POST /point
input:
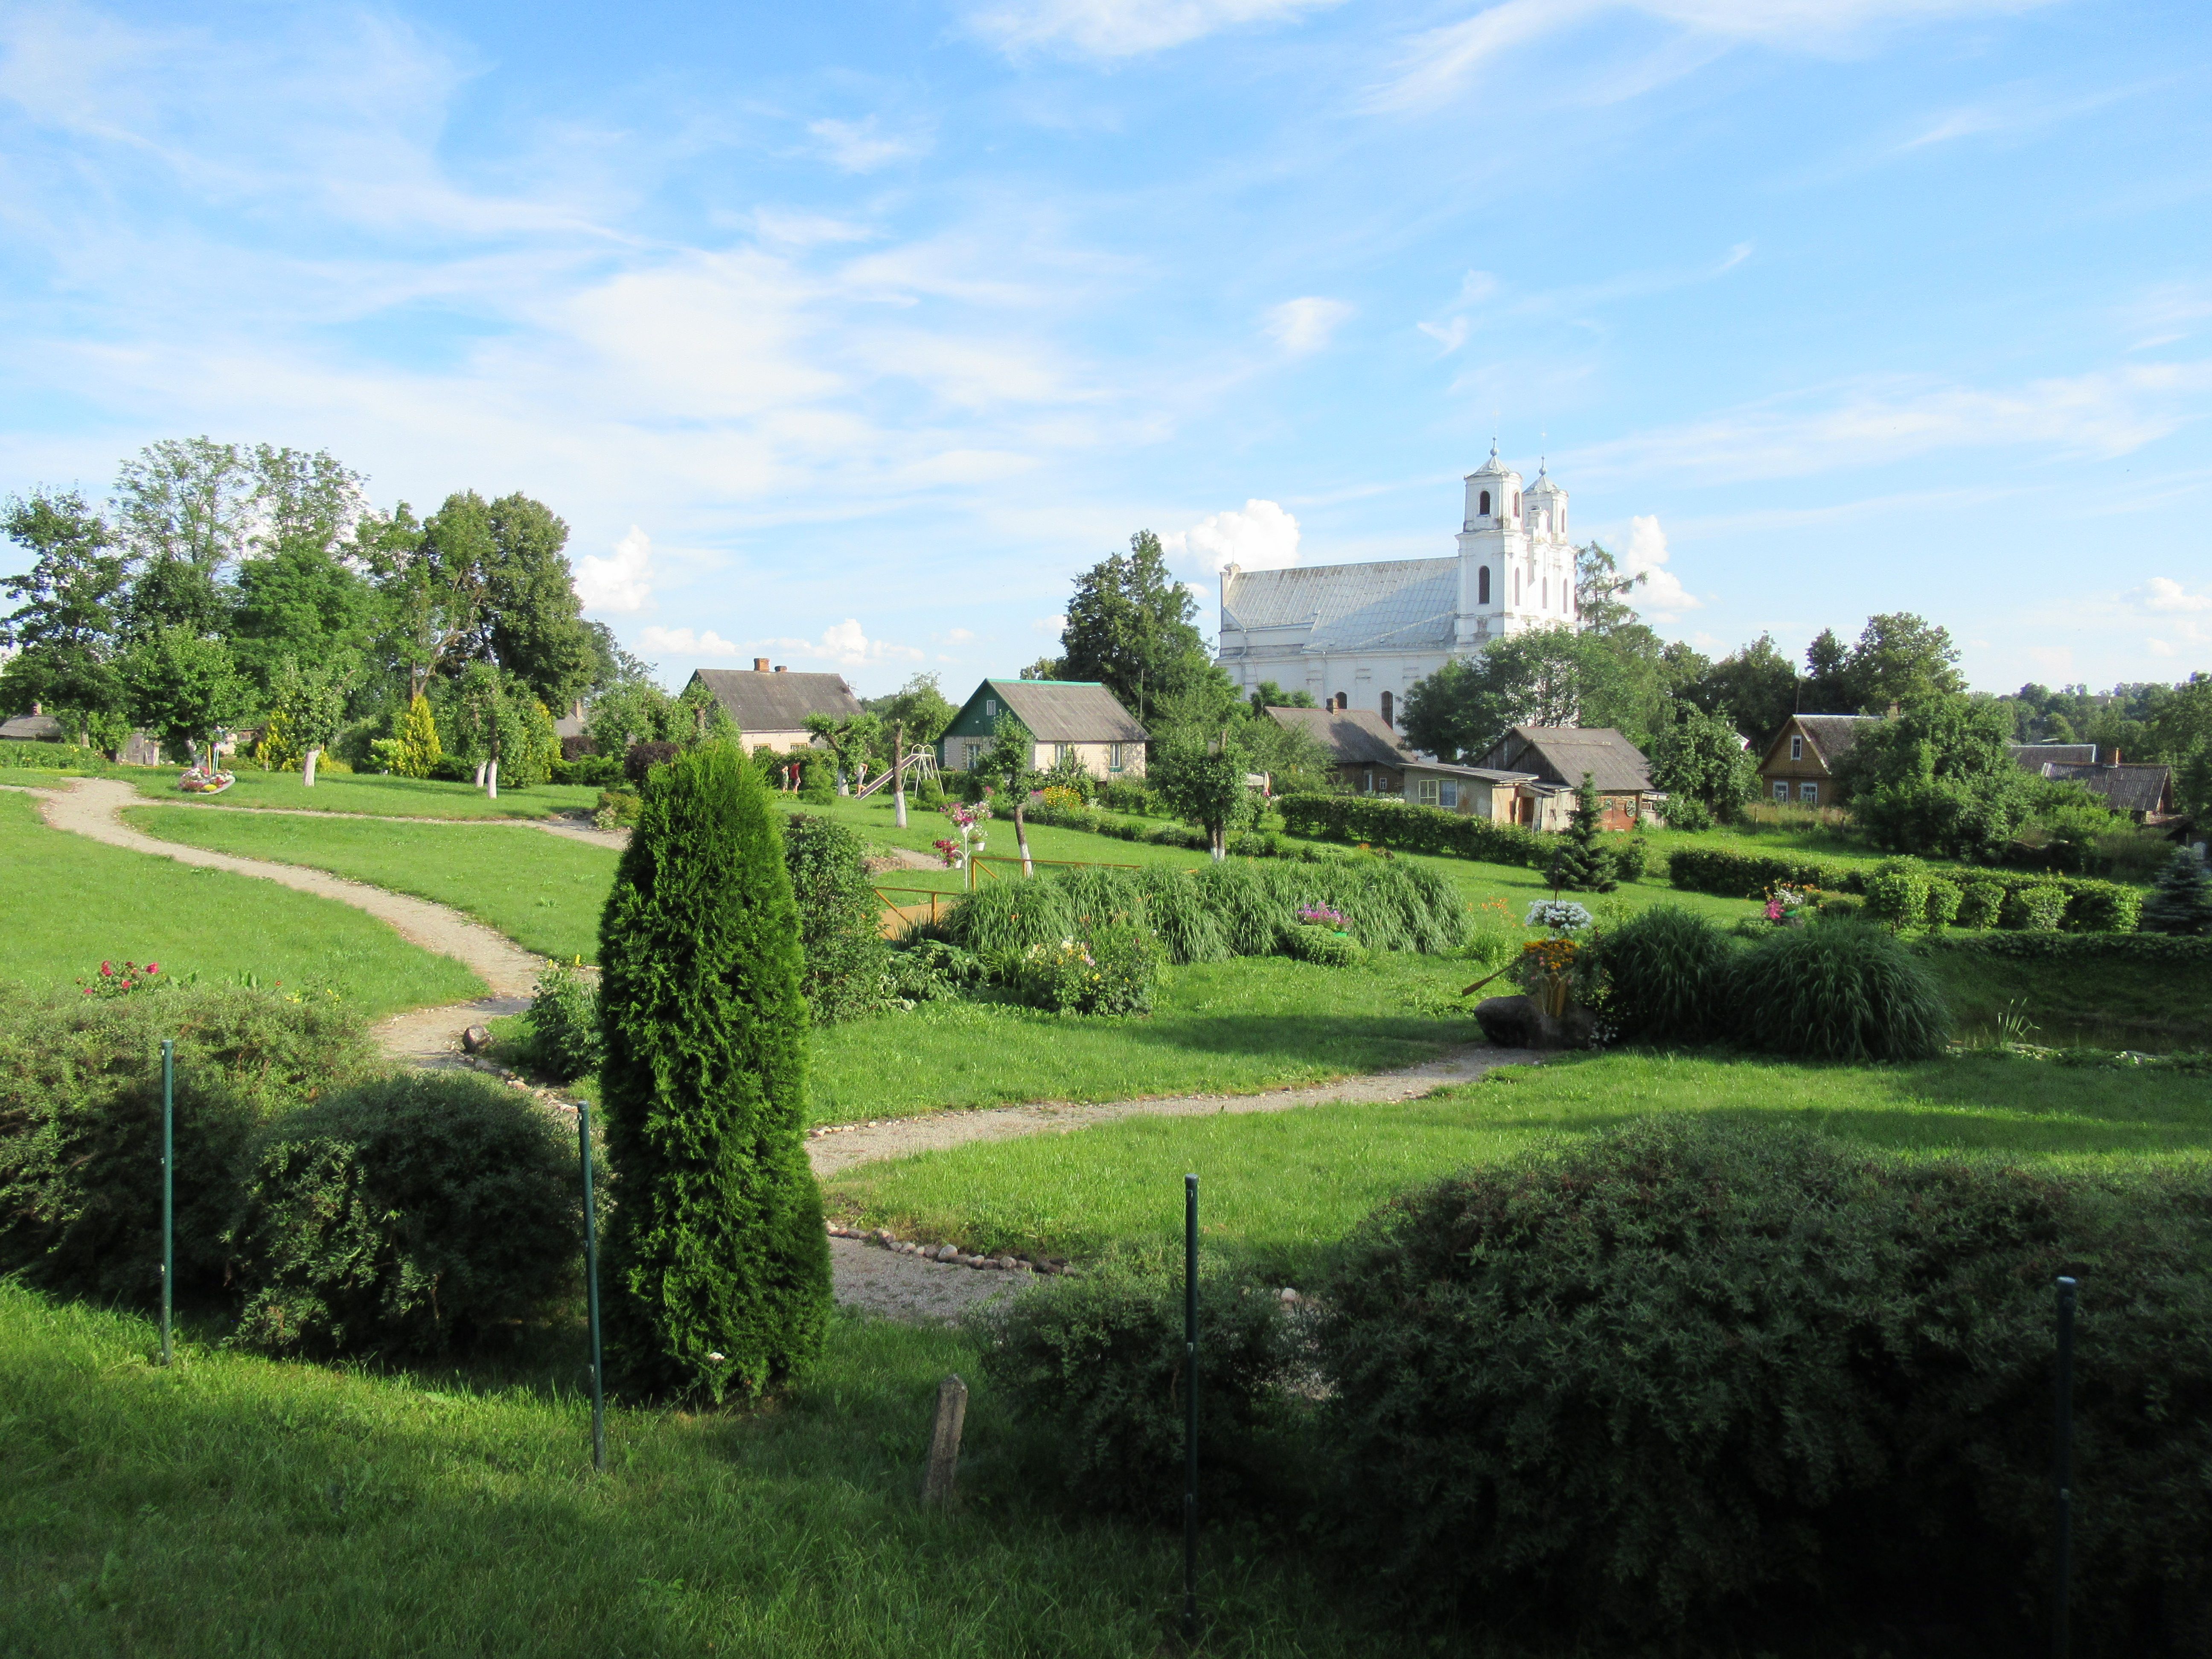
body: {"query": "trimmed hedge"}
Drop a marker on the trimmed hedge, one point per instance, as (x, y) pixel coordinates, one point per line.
(1380, 821)
(2160, 949)
(2092, 906)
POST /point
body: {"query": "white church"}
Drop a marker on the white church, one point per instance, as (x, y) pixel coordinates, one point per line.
(1357, 636)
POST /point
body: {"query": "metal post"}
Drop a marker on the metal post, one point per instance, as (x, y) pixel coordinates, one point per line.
(168, 1183)
(1190, 1410)
(592, 1292)
(2061, 1475)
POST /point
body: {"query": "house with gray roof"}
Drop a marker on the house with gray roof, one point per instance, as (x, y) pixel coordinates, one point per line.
(770, 705)
(1079, 720)
(1358, 636)
(1798, 764)
(1366, 756)
(1556, 758)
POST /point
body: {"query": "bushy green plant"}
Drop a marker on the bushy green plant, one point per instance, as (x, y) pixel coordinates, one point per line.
(2182, 902)
(1005, 918)
(1668, 971)
(1581, 862)
(1324, 946)
(719, 1260)
(1632, 853)
(1686, 813)
(2037, 907)
(617, 809)
(839, 917)
(1897, 894)
(2103, 907)
(80, 1123)
(1109, 968)
(564, 1023)
(1980, 904)
(1093, 1367)
(427, 1213)
(1694, 1369)
(928, 970)
(1944, 898)
(1839, 991)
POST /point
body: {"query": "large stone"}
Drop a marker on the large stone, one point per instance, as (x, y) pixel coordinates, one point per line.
(1518, 1022)
(477, 1039)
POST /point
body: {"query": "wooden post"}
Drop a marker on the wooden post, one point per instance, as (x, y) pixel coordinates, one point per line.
(944, 1442)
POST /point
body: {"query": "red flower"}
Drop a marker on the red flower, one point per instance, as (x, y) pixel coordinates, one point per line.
(106, 970)
(153, 967)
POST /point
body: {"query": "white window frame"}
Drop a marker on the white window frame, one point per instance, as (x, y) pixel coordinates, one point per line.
(973, 752)
(1427, 792)
(1808, 794)
(990, 708)
(1782, 789)
(1796, 748)
(1061, 751)
(1113, 757)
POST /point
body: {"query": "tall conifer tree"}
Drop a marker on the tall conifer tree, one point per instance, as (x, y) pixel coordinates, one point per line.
(719, 1262)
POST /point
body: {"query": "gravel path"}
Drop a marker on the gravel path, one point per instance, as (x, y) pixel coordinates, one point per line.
(906, 1287)
(835, 1148)
(425, 1036)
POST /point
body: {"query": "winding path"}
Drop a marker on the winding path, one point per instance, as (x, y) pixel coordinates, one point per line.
(422, 1036)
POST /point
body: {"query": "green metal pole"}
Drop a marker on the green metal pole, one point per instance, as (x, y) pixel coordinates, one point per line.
(1190, 1410)
(168, 1183)
(592, 1292)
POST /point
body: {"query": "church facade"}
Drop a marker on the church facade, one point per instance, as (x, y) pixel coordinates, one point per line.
(1358, 635)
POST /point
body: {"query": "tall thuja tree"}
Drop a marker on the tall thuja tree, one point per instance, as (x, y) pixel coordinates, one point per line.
(720, 1263)
(1581, 862)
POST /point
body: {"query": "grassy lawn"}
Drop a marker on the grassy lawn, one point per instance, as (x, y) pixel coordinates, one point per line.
(233, 1506)
(70, 903)
(373, 793)
(2105, 1005)
(1280, 1187)
(545, 892)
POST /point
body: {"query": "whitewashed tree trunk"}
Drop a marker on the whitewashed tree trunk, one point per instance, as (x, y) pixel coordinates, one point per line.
(307, 775)
(1022, 836)
(898, 774)
(480, 773)
(491, 777)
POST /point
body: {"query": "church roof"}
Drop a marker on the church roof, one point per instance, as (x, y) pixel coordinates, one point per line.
(1400, 603)
(1544, 486)
(1492, 468)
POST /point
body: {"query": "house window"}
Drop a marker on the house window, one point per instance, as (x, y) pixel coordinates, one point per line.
(1516, 503)
(1796, 748)
(1781, 789)
(1427, 792)
(1388, 704)
(1371, 783)
(1113, 757)
(974, 751)
(1343, 700)
(1061, 751)
(1810, 793)
(1484, 509)
(991, 708)
(1448, 793)
(1482, 586)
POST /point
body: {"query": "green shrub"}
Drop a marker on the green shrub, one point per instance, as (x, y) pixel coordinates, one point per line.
(564, 1024)
(1632, 853)
(81, 1124)
(1691, 1371)
(1686, 813)
(840, 917)
(1668, 970)
(1109, 968)
(1093, 1367)
(2182, 902)
(1944, 898)
(1005, 918)
(1380, 820)
(640, 758)
(2103, 907)
(1732, 874)
(427, 1213)
(1839, 991)
(719, 1264)
(617, 809)
(1897, 894)
(2084, 948)
(1324, 946)
(1980, 904)
(928, 970)
(2037, 907)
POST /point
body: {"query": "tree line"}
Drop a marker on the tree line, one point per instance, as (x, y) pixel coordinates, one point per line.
(221, 584)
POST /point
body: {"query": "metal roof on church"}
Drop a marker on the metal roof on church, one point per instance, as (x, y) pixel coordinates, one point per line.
(1401, 603)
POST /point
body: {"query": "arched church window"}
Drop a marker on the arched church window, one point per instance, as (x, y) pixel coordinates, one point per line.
(1516, 588)
(1547, 592)
(1516, 503)
(1482, 583)
(1388, 703)
(1484, 509)
(1343, 700)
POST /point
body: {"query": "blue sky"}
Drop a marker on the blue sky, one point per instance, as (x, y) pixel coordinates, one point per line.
(846, 336)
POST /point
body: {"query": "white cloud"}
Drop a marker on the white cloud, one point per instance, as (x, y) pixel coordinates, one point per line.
(1304, 324)
(1052, 625)
(2159, 648)
(1261, 537)
(622, 584)
(2164, 593)
(959, 636)
(862, 147)
(1121, 28)
(1438, 62)
(683, 642)
(1451, 336)
(1660, 592)
(847, 644)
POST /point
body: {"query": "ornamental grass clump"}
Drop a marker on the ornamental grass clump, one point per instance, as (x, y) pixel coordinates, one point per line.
(1838, 990)
(718, 1264)
(1668, 968)
(1729, 1377)
(431, 1213)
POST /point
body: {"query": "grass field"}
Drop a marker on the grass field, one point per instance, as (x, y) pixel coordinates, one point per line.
(237, 1508)
(373, 793)
(544, 892)
(2105, 1005)
(69, 904)
(1279, 1187)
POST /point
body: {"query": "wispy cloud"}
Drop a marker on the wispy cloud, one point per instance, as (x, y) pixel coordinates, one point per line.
(684, 642)
(1304, 325)
(863, 146)
(1122, 28)
(845, 643)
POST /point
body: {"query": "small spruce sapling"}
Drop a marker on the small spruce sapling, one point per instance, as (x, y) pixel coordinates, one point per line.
(1581, 863)
(2181, 903)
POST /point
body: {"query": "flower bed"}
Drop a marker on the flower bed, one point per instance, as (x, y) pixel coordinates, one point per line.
(199, 780)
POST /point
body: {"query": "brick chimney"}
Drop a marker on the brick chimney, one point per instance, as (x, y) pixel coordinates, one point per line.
(779, 668)
(760, 665)
(2116, 757)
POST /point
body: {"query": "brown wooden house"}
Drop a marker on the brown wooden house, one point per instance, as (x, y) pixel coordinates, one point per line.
(1798, 766)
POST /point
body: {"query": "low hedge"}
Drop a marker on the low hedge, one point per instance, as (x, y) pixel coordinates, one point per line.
(1382, 821)
(2092, 906)
(2155, 949)
(1733, 1377)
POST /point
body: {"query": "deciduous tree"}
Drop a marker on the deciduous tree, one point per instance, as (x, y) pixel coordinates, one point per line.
(68, 614)
(185, 689)
(1130, 627)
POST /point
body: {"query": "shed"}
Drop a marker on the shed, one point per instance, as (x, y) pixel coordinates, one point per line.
(1077, 719)
(1564, 755)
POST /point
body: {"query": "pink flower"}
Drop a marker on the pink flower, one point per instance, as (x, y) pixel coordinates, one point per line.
(107, 970)
(153, 968)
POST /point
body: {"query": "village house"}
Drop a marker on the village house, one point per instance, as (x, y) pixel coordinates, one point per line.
(770, 705)
(1540, 765)
(1364, 754)
(1077, 719)
(1482, 792)
(2144, 792)
(1798, 766)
